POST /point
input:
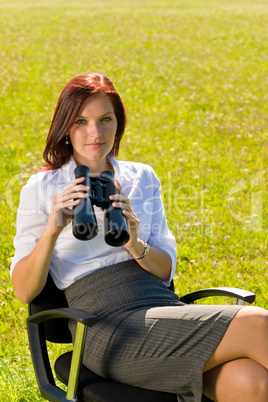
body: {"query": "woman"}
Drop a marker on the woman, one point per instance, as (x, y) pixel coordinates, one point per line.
(145, 335)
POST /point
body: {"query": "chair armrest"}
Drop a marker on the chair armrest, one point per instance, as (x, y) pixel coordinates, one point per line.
(39, 352)
(239, 294)
(71, 313)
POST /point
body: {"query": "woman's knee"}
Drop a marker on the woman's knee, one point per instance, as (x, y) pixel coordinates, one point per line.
(252, 315)
(252, 325)
(241, 380)
(256, 383)
(253, 319)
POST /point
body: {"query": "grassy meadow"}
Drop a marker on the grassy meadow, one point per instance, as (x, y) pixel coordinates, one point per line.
(194, 77)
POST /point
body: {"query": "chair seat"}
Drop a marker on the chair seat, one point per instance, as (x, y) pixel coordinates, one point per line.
(94, 388)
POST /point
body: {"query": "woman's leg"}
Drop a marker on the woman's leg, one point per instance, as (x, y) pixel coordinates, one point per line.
(241, 380)
(242, 352)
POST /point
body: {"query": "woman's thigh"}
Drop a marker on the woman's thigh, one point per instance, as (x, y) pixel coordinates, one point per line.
(246, 337)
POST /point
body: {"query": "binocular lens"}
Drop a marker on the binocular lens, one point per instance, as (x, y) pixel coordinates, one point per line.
(116, 238)
(116, 232)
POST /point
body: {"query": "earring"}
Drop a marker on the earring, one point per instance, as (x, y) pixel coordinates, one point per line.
(67, 142)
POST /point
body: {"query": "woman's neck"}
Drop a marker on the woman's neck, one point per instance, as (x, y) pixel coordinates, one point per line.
(96, 167)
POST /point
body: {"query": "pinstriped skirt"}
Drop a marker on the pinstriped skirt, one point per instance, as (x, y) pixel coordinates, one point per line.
(146, 336)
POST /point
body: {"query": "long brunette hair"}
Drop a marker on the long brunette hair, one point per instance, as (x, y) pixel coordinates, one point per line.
(76, 91)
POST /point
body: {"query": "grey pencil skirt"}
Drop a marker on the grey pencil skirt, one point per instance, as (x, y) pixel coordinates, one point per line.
(146, 336)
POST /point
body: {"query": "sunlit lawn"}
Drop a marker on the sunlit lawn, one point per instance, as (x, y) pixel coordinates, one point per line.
(193, 75)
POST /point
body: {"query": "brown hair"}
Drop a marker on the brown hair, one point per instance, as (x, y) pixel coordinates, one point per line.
(76, 91)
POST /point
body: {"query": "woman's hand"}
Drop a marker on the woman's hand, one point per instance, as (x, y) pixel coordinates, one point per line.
(122, 201)
(61, 209)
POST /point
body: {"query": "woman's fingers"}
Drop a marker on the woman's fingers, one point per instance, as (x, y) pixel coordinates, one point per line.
(120, 196)
(74, 191)
(121, 200)
(71, 195)
(74, 182)
(74, 195)
(126, 208)
(63, 203)
(66, 204)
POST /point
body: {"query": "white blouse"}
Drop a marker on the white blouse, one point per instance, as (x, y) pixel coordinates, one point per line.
(73, 258)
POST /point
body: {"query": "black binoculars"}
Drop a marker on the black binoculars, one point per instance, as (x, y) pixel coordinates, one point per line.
(84, 220)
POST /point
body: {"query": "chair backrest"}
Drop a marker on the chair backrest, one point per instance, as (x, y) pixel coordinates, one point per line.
(56, 330)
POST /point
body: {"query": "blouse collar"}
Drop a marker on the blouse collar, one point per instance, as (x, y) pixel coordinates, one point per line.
(70, 166)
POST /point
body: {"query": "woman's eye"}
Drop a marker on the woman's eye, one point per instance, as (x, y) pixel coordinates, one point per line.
(81, 121)
(105, 119)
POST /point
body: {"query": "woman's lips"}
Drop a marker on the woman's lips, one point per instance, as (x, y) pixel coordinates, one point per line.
(95, 145)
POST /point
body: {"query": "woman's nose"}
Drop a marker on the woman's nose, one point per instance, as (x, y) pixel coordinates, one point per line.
(94, 129)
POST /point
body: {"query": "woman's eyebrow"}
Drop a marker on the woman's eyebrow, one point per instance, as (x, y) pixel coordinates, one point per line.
(104, 114)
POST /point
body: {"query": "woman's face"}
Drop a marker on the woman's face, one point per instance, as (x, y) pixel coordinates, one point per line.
(93, 133)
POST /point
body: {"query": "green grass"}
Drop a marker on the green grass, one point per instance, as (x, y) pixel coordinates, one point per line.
(193, 74)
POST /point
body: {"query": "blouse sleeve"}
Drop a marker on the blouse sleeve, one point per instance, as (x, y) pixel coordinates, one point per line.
(160, 235)
(31, 220)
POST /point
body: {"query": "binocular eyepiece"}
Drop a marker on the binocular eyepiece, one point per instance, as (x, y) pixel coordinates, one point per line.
(84, 220)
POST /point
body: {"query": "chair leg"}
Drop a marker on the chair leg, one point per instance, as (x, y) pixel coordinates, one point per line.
(79, 342)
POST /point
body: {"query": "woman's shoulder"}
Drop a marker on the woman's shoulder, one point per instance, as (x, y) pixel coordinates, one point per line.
(136, 167)
(43, 176)
(137, 172)
(42, 180)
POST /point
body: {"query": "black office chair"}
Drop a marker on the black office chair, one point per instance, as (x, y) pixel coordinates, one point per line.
(48, 321)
